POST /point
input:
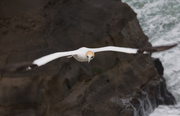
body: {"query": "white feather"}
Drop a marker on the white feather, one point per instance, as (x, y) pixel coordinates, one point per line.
(115, 49)
(45, 59)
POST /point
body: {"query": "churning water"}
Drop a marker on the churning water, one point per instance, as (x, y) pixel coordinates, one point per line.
(160, 20)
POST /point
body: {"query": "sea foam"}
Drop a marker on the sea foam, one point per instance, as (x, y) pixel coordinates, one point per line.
(160, 20)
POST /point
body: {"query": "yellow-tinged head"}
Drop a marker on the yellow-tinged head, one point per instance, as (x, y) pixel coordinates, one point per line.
(90, 55)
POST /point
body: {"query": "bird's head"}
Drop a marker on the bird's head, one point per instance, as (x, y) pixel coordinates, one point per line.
(90, 55)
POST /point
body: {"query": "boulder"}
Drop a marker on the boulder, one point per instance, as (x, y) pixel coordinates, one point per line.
(112, 84)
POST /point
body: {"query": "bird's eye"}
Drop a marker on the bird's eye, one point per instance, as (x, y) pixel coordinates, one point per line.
(87, 56)
(92, 57)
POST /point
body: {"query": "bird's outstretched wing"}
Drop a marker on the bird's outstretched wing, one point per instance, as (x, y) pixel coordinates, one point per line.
(134, 50)
(38, 62)
(115, 49)
(45, 59)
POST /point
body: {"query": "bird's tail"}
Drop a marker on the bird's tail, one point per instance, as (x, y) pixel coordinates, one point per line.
(146, 50)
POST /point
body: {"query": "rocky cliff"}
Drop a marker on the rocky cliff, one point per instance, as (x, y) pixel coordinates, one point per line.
(112, 84)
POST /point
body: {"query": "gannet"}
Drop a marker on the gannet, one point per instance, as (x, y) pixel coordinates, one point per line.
(82, 54)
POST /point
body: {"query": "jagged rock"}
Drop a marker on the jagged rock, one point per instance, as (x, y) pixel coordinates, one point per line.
(159, 66)
(112, 84)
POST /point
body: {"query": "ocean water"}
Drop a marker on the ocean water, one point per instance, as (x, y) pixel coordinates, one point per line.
(160, 20)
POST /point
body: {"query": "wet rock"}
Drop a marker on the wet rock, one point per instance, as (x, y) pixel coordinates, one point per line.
(159, 66)
(112, 84)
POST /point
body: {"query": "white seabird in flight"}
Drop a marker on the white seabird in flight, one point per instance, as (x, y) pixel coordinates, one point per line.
(82, 54)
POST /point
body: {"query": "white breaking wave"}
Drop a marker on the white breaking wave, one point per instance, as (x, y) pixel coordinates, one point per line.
(160, 20)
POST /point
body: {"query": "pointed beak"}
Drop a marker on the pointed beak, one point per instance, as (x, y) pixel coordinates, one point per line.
(89, 59)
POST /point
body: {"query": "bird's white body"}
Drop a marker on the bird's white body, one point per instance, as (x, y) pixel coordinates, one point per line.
(81, 54)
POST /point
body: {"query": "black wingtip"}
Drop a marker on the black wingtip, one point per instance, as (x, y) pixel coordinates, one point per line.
(156, 48)
(18, 67)
(166, 47)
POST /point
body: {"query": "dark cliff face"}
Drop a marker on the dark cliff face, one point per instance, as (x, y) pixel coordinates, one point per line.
(112, 84)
